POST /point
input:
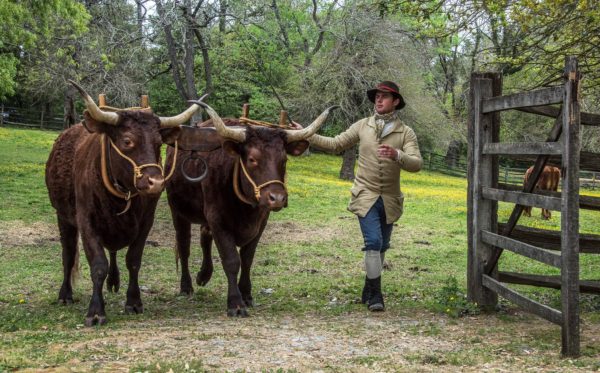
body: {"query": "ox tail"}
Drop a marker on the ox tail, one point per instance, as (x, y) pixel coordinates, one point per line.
(176, 250)
(75, 272)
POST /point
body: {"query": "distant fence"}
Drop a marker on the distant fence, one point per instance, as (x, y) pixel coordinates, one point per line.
(32, 118)
(507, 174)
(431, 161)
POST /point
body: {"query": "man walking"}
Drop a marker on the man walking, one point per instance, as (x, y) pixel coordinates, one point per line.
(386, 146)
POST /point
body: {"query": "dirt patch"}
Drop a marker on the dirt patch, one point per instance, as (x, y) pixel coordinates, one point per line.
(356, 342)
(17, 233)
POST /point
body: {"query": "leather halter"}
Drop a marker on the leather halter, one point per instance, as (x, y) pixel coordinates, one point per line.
(137, 172)
(236, 187)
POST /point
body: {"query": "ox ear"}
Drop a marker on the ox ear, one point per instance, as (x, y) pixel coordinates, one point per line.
(296, 147)
(170, 134)
(231, 147)
(92, 125)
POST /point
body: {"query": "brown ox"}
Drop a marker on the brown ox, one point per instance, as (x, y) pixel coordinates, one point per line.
(245, 182)
(548, 180)
(109, 200)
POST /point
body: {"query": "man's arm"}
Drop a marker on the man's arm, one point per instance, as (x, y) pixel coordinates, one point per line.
(409, 156)
(335, 144)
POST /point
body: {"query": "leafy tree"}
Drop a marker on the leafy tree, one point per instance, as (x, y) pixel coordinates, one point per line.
(24, 23)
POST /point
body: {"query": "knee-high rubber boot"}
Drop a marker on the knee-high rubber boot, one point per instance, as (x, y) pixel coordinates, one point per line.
(366, 292)
(373, 269)
(376, 299)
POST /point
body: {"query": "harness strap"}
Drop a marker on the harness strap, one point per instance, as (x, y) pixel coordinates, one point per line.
(256, 188)
(236, 187)
(137, 171)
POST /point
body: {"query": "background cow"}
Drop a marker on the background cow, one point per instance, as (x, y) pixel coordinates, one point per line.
(245, 182)
(548, 180)
(104, 179)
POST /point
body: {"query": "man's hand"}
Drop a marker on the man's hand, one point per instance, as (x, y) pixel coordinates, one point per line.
(295, 125)
(386, 151)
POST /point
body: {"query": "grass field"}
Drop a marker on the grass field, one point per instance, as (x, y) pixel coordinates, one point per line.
(307, 277)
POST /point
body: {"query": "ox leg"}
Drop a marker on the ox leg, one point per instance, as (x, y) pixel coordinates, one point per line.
(98, 272)
(245, 285)
(113, 281)
(134, 262)
(231, 265)
(247, 257)
(183, 231)
(527, 211)
(68, 240)
(206, 270)
(546, 214)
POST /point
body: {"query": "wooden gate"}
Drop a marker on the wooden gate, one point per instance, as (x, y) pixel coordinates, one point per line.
(487, 239)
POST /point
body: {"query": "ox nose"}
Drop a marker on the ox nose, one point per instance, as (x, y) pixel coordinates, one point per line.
(277, 201)
(151, 185)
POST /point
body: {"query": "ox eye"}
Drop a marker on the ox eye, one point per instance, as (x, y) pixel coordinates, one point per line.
(127, 142)
(252, 161)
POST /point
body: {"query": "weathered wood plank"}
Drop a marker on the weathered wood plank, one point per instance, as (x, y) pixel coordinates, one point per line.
(588, 161)
(518, 148)
(484, 212)
(551, 240)
(526, 199)
(585, 202)
(554, 282)
(540, 163)
(570, 210)
(521, 248)
(529, 305)
(544, 96)
(589, 119)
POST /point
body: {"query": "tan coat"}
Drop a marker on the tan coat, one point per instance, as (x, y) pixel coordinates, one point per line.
(376, 177)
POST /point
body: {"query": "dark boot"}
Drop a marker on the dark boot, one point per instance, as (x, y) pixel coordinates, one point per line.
(366, 292)
(376, 298)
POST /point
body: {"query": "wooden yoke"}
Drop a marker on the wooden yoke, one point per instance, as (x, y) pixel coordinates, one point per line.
(283, 118)
(244, 118)
(144, 104)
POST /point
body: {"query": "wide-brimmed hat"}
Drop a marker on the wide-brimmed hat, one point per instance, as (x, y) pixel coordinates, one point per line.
(390, 87)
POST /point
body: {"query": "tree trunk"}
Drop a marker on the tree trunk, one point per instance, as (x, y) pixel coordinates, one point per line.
(70, 116)
(172, 51)
(222, 16)
(349, 160)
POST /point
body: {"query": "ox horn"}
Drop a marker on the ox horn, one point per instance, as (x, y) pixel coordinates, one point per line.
(183, 117)
(235, 134)
(297, 135)
(94, 110)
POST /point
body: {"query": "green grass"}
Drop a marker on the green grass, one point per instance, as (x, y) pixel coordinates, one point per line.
(313, 269)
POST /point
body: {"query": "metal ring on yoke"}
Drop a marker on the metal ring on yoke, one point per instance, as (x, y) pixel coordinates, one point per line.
(194, 179)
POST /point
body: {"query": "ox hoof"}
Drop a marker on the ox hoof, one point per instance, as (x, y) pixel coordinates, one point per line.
(203, 277)
(112, 287)
(249, 302)
(95, 320)
(186, 290)
(238, 312)
(65, 301)
(135, 309)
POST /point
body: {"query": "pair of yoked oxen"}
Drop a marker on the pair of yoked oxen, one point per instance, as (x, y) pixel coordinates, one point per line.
(104, 179)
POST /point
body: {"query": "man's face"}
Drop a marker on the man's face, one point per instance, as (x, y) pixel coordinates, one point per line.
(385, 102)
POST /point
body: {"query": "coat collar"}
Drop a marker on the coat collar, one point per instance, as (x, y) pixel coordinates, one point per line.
(398, 125)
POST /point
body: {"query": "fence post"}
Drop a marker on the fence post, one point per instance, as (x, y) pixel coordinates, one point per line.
(2, 114)
(482, 172)
(429, 161)
(569, 219)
